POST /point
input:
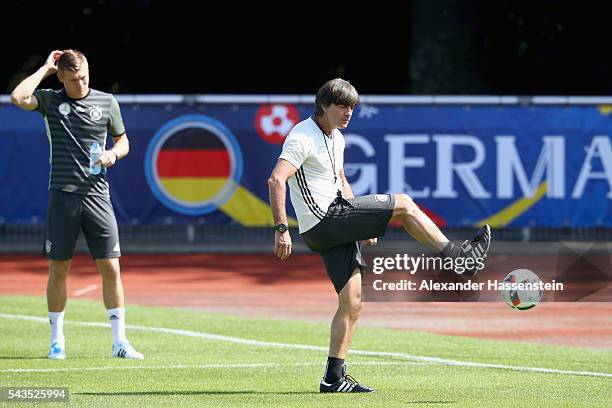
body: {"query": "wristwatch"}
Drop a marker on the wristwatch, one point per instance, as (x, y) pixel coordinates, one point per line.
(281, 228)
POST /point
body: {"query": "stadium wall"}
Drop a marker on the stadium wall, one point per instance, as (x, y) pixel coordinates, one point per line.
(200, 162)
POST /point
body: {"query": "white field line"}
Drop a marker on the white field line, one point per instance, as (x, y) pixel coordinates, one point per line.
(294, 346)
(84, 290)
(197, 366)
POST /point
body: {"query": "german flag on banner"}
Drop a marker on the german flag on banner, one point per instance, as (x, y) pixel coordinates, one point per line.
(193, 165)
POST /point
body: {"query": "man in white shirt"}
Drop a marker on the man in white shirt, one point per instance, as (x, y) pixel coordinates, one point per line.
(332, 221)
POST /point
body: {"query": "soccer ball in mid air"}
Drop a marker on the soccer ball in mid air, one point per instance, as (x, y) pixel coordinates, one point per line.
(520, 289)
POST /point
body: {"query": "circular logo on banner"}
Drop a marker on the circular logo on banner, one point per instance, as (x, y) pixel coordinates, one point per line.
(274, 122)
(193, 164)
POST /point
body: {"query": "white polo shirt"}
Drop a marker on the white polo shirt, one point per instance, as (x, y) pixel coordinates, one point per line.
(312, 187)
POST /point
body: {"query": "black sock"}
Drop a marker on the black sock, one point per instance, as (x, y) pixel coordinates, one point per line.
(451, 250)
(333, 372)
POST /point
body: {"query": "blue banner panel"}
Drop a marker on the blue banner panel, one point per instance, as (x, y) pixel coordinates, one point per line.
(464, 165)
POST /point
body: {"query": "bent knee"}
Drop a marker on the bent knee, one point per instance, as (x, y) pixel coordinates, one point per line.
(352, 307)
(405, 205)
(355, 309)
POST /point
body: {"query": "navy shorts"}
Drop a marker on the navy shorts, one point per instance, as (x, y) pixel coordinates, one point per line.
(68, 214)
(347, 221)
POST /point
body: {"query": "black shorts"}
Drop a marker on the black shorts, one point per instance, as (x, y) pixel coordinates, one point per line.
(347, 221)
(68, 213)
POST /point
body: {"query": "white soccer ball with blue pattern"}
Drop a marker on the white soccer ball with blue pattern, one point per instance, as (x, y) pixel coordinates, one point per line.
(521, 299)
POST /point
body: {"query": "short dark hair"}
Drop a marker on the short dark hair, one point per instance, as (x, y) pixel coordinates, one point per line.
(336, 91)
(71, 60)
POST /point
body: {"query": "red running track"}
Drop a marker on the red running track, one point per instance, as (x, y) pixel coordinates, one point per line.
(261, 285)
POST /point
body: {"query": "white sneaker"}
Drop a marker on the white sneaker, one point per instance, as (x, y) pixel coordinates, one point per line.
(125, 350)
(57, 351)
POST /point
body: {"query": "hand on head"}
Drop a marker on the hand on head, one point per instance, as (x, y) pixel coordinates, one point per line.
(51, 62)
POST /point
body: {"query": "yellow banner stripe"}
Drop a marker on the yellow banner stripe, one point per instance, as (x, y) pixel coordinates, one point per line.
(244, 206)
(193, 190)
(604, 109)
(250, 211)
(508, 214)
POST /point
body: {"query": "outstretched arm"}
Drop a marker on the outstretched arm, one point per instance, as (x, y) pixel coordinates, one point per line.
(23, 94)
(277, 188)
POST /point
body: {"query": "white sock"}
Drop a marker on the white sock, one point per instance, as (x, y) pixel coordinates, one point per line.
(56, 320)
(117, 319)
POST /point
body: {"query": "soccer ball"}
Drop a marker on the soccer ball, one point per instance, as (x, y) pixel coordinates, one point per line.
(521, 299)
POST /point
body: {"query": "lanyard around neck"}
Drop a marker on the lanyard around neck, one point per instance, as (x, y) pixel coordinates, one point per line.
(332, 161)
(332, 155)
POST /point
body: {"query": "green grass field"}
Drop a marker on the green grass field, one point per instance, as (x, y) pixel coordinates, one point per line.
(190, 368)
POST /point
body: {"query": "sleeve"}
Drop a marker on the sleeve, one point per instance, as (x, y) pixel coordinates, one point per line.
(43, 96)
(115, 122)
(296, 149)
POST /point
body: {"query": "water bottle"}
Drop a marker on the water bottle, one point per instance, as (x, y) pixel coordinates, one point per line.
(95, 151)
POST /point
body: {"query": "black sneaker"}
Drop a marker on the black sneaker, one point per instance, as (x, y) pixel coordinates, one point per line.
(478, 247)
(346, 384)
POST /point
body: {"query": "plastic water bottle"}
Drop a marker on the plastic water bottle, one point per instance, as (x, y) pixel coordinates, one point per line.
(95, 151)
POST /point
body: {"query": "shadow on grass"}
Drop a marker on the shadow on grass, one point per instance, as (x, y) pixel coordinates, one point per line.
(140, 393)
(23, 358)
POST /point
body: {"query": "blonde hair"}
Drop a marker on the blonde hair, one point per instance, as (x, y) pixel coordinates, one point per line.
(71, 60)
